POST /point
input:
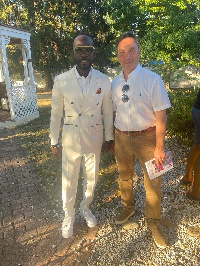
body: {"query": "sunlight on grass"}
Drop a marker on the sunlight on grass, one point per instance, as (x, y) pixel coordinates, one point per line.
(44, 99)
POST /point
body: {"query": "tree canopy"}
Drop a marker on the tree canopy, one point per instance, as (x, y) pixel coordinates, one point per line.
(169, 30)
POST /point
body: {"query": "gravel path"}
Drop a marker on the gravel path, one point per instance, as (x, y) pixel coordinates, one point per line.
(30, 227)
(132, 244)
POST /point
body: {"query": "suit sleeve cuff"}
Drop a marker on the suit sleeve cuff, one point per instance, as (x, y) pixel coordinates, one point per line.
(54, 141)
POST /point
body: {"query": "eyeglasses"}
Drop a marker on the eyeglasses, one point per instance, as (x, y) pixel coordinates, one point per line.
(125, 97)
(84, 49)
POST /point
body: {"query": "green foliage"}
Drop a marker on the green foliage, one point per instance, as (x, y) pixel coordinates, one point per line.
(15, 63)
(169, 30)
(125, 16)
(179, 120)
(173, 34)
(53, 26)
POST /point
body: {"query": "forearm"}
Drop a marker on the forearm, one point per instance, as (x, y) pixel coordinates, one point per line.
(161, 132)
(161, 120)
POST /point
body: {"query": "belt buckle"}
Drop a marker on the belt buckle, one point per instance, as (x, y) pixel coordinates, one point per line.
(129, 133)
(138, 133)
(134, 133)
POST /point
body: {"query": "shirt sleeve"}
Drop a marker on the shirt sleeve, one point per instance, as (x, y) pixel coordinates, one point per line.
(159, 96)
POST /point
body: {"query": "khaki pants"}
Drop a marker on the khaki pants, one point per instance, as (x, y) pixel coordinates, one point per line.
(126, 148)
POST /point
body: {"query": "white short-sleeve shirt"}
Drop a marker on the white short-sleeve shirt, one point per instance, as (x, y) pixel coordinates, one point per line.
(147, 94)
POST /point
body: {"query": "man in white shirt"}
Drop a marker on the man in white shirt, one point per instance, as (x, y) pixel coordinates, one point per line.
(84, 94)
(140, 102)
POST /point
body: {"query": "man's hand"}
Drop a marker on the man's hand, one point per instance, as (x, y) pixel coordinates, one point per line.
(159, 153)
(57, 151)
(160, 156)
(106, 146)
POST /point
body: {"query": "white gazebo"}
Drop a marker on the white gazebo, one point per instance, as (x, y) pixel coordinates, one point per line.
(22, 98)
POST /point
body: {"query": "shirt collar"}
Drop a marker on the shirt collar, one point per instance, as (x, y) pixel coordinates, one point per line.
(80, 77)
(133, 74)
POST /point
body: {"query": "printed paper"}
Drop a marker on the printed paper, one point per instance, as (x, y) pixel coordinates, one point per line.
(155, 171)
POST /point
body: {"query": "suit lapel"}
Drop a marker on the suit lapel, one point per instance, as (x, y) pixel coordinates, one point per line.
(73, 84)
(94, 85)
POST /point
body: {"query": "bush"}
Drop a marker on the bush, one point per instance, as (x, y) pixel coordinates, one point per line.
(179, 119)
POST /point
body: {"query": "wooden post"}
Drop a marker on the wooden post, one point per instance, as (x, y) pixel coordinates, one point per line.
(4, 41)
(25, 62)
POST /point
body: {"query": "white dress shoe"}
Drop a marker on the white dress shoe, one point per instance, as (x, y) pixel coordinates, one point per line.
(89, 217)
(67, 226)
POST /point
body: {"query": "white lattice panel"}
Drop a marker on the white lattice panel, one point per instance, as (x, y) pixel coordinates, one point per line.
(23, 101)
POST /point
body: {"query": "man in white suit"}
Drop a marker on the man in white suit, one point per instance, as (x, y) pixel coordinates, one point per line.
(84, 94)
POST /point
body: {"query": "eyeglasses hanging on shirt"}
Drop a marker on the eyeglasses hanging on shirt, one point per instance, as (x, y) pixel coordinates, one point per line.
(125, 97)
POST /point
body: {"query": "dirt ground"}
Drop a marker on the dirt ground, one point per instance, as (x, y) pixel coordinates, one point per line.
(30, 231)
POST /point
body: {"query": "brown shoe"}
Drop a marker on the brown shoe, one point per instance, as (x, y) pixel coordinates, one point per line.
(191, 196)
(125, 214)
(158, 237)
(185, 182)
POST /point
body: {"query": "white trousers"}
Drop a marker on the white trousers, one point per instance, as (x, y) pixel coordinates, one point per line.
(71, 164)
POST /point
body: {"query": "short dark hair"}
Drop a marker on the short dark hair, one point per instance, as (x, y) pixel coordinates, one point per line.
(126, 35)
(83, 33)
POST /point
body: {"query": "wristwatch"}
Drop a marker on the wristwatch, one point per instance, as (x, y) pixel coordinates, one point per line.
(55, 146)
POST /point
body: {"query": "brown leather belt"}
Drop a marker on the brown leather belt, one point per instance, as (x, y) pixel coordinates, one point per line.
(136, 133)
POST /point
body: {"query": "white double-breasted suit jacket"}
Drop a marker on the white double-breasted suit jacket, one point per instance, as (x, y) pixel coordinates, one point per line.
(83, 126)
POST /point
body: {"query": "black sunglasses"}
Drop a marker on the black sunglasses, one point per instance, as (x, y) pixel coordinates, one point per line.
(84, 49)
(125, 88)
(125, 97)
